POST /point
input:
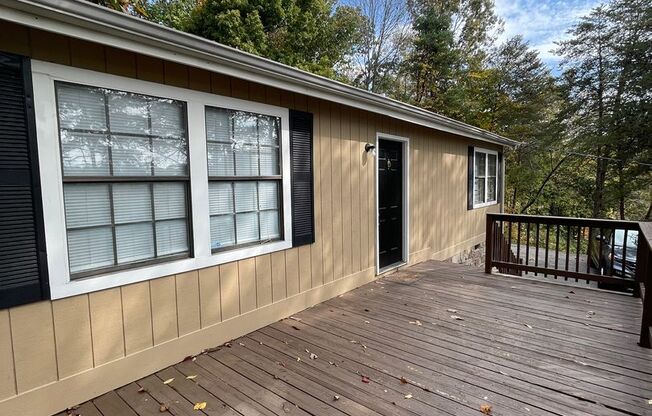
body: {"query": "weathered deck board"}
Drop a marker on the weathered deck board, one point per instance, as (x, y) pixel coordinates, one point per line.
(523, 347)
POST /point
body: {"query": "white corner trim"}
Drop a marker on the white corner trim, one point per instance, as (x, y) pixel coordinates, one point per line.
(44, 75)
(406, 200)
(487, 152)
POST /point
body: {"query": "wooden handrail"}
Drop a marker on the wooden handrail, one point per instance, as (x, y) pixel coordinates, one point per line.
(574, 240)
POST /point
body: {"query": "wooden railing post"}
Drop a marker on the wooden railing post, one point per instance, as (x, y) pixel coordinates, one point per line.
(489, 245)
(644, 278)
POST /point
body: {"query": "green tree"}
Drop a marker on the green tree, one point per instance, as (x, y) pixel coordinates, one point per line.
(172, 13)
(313, 35)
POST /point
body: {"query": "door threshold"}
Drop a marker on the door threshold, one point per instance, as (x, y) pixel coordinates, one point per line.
(391, 267)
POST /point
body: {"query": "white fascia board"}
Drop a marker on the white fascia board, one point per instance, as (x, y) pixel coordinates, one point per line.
(83, 20)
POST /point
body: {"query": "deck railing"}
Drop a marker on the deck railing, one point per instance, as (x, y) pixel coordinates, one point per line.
(580, 249)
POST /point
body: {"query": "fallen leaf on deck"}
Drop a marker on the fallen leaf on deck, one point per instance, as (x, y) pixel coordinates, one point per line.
(142, 390)
(307, 350)
(528, 325)
(163, 408)
(313, 356)
(241, 344)
(417, 322)
(649, 402)
(365, 379)
(298, 358)
(403, 380)
(295, 318)
(336, 398)
(366, 310)
(451, 310)
(408, 396)
(192, 377)
(486, 409)
(366, 322)
(457, 318)
(200, 406)
(169, 380)
(294, 327)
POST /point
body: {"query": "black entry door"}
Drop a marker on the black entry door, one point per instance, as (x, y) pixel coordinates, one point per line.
(390, 202)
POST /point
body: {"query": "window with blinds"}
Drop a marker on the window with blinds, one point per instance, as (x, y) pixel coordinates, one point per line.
(244, 175)
(485, 177)
(126, 179)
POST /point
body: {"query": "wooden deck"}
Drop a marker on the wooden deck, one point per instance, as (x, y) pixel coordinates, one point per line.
(395, 347)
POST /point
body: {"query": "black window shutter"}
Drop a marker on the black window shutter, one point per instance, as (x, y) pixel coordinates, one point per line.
(469, 187)
(23, 268)
(499, 185)
(301, 145)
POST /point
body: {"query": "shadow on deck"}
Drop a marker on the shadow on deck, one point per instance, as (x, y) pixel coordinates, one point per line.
(436, 338)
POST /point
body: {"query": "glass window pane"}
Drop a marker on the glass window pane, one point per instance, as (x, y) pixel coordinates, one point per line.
(245, 128)
(478, 195)
(246, 196)
(128, 113)
(220, 159)
(80, 107)
(480, 164)
(492, 165)
(134, 242)
(131, 156)
(491, 189)
(170, 157)
(246, 160)
(169, 200)
(171, 237)
(268, 194)
(247, 227)
(220, 198)
(84, 154)
(269, 163)
(87, 205)
(90, 248)
(268, 130)
(218, 126)
(167, 118)
(269, 225)
(132, 202)
(222, 231)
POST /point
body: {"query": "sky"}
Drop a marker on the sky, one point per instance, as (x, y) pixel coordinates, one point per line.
(542, 22)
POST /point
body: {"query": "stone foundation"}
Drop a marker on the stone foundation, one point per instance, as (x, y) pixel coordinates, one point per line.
(473, 256)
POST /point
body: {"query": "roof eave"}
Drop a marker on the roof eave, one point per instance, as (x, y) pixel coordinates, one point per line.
(80, 19)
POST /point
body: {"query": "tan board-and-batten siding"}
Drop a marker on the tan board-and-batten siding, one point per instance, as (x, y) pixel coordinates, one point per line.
(59, 353)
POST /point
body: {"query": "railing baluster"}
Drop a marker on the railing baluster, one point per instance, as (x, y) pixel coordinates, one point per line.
(536, 253)
(518, 242)
(568, 233)
(579, 248)
(527, 244)
(557, 249)
(547, 244)
(624, 252)
(613, 247)
(588, 251)
(600, 271)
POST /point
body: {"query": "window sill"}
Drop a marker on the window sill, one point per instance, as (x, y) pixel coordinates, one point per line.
(486, 204)
(141, 274)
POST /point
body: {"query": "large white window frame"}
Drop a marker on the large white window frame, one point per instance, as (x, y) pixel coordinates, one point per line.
(486, 152)
(44, 75)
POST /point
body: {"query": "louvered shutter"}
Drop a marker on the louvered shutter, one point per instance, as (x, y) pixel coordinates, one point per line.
(23, 269)
(469, 190)
(301, 145)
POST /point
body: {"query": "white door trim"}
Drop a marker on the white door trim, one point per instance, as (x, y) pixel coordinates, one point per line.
(405, 202)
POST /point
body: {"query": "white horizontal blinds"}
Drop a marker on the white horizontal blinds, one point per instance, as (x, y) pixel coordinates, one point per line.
(244, 173)
(125, 169)
(480, 161)
(492, 176)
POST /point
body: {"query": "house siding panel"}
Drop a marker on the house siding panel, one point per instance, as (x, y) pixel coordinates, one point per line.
(148, 321)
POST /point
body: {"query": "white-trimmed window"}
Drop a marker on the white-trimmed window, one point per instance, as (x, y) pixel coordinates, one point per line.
(125, 174)
(141, 180)
(485, 177)
(244, 177)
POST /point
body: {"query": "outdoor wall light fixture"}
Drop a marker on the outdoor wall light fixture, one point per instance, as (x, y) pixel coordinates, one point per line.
(369, 147)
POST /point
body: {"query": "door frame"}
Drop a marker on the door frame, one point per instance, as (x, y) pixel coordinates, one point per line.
(405, 153)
